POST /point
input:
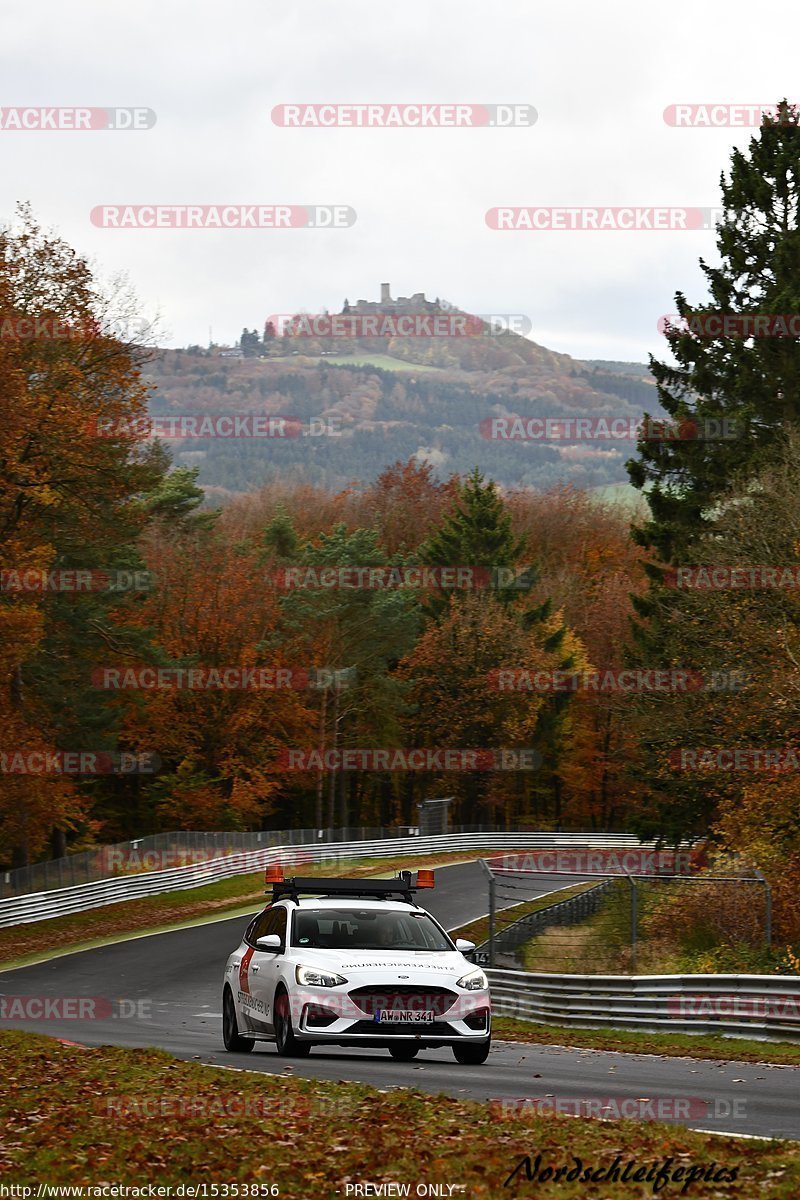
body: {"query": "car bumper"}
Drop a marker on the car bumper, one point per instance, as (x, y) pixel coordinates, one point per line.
(315, 1023)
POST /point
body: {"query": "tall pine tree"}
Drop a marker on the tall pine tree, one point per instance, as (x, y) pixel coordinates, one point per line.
(750, 382)
(694, 482)
(477, 533)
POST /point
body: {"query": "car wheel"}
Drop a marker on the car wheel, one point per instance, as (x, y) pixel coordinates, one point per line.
(230, 1027)
(472, 1054)
(404, 1051)
(286, 1043)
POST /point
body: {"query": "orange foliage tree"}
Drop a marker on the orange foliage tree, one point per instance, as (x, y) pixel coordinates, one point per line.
(213, 608)
(62, 488)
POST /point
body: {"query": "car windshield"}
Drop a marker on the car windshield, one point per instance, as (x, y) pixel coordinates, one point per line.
(367, 929)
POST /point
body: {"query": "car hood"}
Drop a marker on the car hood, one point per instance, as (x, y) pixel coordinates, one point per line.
(389, 965)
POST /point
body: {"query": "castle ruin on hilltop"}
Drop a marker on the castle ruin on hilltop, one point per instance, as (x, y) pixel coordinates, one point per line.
(403, 304)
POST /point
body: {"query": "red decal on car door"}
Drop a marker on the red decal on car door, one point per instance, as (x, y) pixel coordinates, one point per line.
(244, 983)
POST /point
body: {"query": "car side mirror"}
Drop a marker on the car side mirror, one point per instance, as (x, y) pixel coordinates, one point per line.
(271, 942)
(464, 946)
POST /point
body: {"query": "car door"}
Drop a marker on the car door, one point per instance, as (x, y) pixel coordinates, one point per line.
(265, 967)
(249, 967)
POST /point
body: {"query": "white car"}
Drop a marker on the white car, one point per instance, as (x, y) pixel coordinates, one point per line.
(359, 965)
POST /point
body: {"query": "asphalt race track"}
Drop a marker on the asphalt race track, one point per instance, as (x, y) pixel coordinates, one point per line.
(167, 991)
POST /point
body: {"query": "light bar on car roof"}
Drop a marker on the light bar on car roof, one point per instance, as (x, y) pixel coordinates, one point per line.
(380, 889)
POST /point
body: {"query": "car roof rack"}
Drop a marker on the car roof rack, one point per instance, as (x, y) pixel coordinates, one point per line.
(378, 889)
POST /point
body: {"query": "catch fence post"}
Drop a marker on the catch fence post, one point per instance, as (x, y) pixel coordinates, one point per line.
(767, 907)
(490, 875)
(634, 922)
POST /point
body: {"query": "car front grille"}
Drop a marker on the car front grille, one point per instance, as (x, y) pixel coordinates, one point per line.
(403, 996)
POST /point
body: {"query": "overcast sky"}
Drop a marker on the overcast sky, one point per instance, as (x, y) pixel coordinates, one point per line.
(599, 76)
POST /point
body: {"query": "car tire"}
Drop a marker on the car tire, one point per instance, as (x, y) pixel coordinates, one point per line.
(233, 1040)
(404, 1051)
(472, 1054)
(286, 1043)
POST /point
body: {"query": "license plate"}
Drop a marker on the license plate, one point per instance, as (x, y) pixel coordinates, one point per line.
(401, 1016)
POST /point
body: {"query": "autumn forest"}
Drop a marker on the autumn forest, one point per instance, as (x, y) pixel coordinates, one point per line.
(168, 663)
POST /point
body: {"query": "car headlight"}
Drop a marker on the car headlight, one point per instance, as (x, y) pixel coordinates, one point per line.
(476, 981)
(313, 977)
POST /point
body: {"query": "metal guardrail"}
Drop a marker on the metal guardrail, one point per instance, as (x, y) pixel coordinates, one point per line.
(40, 906)
(562, 912)
(764, 1007)
(158, 851)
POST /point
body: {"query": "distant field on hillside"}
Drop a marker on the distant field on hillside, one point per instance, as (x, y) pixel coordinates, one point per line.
(612, 367)
(619, 493)
(384, 361)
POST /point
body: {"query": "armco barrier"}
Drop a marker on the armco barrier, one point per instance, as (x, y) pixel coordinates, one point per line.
(764, 1007)
(177, 848)
(40, 906)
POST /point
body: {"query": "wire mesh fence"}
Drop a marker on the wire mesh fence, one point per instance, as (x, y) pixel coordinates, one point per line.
(510, 935)
(626, 923)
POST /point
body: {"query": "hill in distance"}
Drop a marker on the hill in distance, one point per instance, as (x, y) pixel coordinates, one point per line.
(374, 400)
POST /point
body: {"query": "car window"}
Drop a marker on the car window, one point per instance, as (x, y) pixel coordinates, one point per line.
(278, 924)
(267, 922)
(367, 929)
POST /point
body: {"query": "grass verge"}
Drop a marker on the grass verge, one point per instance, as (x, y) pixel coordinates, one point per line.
(82, 1116)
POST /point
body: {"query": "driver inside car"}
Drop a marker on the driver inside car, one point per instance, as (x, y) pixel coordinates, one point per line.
(385, 934)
